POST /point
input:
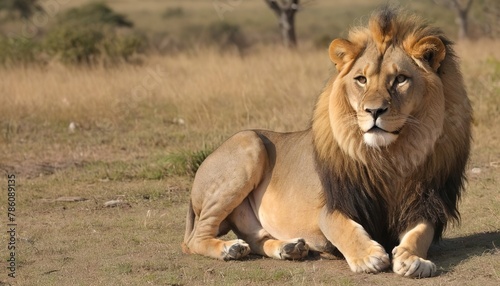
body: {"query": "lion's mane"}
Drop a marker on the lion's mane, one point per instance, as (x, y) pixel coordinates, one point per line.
(418, 177)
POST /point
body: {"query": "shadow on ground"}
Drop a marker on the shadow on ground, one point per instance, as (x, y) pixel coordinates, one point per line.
(447, 254)
(450, 252)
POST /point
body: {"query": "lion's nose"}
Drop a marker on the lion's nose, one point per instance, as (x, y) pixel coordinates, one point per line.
(376, 112)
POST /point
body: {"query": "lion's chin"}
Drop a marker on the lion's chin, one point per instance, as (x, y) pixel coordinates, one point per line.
(379, 138)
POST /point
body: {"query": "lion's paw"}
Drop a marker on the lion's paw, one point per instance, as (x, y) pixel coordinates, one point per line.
(407, 264)
(375, 260)
(294, 249)
(237, 250)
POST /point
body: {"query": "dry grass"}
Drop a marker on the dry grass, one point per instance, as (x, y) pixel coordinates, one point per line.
(119, 149)
(207, 90)
(129, 119)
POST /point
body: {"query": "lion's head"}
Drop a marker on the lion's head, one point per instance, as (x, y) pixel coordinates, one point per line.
(397, 82)
(387, 88)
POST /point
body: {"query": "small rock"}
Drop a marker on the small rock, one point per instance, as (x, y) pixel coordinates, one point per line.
(178, 121)
(72, 127)
(116, 203)
(476, 171)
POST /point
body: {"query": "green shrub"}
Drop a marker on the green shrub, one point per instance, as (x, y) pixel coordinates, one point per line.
(74, 44)
(89, 44)
(124, 46)
(227, 35)
(92, 14)
(92, 33)
(14, 51)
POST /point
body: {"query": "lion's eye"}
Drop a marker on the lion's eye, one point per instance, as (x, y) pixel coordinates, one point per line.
(360, 79)
(400, 79)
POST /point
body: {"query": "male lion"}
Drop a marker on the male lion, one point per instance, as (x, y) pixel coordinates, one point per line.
(379, 171)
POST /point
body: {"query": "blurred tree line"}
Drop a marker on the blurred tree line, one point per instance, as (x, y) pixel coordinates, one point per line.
(489, 13)
(94, 33)
(82, 35)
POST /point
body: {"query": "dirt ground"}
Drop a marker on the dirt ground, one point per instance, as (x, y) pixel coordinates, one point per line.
(102, 188)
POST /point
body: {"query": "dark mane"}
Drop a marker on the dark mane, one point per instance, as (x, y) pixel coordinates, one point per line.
(387, 203)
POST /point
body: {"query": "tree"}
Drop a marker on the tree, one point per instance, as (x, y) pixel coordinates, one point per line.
(461, 9)
(285, 11)
(24, 8)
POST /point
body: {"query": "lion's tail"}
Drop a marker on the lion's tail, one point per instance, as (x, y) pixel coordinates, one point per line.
(189, 228)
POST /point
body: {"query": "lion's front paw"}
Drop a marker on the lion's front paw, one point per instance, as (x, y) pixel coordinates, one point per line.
(374, 260)
(407, 264)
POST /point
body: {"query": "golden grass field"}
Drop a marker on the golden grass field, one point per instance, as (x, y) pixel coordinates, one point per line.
(131, 120)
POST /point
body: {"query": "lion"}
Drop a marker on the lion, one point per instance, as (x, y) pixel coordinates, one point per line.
(378, 174)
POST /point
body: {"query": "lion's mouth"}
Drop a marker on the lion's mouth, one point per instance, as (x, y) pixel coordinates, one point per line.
(376, 129)
(378, 137)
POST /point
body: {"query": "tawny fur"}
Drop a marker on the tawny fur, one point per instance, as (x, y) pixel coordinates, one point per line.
(380, 170)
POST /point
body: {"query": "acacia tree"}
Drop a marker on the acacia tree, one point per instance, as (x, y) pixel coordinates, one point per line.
(285, 11)
(461, 9)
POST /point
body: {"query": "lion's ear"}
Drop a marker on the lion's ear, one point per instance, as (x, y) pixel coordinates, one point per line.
(342, 52)
(430, 50)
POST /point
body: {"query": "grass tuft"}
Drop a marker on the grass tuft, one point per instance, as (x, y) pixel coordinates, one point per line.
(186, 162)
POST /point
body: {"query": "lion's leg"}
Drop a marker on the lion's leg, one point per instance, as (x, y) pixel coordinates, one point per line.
(247, 227)
(204, 242)
(409, 256)
(361, 252)
(221, 184)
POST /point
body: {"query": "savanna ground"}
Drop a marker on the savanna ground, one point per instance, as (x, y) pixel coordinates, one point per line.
(138, 127)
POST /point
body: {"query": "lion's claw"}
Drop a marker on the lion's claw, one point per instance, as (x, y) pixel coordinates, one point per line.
(407, 264)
